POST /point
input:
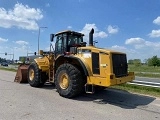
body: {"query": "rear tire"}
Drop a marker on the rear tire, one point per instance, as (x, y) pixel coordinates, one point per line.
(35, 77)
(69, 81)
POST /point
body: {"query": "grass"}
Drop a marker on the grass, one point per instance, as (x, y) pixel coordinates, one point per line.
(144, 68)
(8, 69)
(139, 89)
(145, 71)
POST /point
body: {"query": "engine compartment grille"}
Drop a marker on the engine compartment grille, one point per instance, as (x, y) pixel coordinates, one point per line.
(119, 65)
(95, 63)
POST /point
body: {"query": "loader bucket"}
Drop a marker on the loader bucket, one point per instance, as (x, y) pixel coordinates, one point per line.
(21, 75)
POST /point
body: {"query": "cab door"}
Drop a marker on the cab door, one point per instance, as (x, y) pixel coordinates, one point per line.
(60, 45)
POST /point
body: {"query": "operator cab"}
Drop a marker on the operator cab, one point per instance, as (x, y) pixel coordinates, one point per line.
(66, 41)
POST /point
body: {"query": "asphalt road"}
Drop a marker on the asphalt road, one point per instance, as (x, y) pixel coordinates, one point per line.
(147, 79)
(22, 102)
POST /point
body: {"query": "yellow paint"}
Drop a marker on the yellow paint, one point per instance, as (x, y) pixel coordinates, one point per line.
(107, 81)
(43, 63)
(31, 74)
(64, 81)
(105, 78)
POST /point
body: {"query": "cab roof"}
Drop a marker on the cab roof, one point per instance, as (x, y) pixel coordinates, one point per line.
(69, 31)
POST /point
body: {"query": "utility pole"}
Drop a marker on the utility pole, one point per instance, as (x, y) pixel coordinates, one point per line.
(39, 37)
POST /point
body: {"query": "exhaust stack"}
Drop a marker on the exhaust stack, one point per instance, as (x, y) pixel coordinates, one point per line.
(91, 37)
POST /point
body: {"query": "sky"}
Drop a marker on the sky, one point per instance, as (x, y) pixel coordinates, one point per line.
(130, 26)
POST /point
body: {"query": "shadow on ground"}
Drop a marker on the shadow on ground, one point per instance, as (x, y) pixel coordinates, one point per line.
(48, 86)
(120, 98)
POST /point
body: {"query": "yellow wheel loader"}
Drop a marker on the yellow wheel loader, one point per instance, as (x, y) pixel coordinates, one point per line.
(75, 67)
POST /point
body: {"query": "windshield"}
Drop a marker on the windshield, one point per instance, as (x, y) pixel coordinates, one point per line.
(74, 39)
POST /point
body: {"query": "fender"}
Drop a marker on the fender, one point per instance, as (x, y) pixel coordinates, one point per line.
(68, 57)
(43, 63)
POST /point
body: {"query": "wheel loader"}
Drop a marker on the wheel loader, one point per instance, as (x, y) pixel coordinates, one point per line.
(75, 67)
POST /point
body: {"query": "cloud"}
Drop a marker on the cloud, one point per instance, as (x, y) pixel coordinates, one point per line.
(131, 53)
(3, 40)
(134, 41)
(112, 29)
(101, 34)
(21, 42)
(97, 33)
(47, 5)
(69, 27)
(157, 20)
(154, 33)
(154, 45)
(140, 43)
(121, 48)
(21, 16)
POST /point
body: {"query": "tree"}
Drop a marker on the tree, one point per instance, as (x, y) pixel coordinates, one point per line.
(154, 61)
(137, 62)
(22, 59)
(2, 59)
(158, 64)
(130, 61)
(149, 62)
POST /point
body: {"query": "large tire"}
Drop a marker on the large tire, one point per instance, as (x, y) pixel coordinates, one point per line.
(69, 81)
(35, 77)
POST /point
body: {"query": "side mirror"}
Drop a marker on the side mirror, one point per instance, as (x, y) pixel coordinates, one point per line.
(51, 37)
(83, 44)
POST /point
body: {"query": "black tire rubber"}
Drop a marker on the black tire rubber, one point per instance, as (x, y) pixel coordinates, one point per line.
(44, 77)
(76, 81)
(39, 77)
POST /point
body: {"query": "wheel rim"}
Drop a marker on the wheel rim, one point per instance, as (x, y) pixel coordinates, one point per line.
(31, 74)
(64, 81)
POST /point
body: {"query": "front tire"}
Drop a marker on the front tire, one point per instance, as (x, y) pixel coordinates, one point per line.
(35, 77)
(68, 80)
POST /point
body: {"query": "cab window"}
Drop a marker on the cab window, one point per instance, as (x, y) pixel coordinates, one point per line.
(74, 39)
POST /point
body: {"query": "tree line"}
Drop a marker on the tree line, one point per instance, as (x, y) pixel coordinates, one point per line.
(153, 61)
(2, 59)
